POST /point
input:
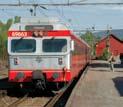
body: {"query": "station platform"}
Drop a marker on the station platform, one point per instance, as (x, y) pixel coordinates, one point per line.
(100, 87)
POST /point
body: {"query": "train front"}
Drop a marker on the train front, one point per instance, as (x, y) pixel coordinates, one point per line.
(39, 54)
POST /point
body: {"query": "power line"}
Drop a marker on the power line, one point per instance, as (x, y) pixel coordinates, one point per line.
(78, 1)
(19, 2)
(84, 30)
(42, 12)
(95, 30)
(58, 4)
(57, 9)
(60, 13)
(42, 5)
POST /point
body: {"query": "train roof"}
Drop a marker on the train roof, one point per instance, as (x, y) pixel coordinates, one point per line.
(80, 40)
(37, 21)
(57, 25)
(85, 43)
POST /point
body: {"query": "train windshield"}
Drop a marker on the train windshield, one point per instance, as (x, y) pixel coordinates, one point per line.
(23, 45)
(54, 45)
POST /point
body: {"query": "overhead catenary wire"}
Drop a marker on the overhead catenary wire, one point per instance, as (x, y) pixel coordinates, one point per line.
(6, 13)
(58, 4)
(10, 13)
(77, 1)
(42, 5)
(84, 30)
(57, 9)
(42, 12)
(61, 13)
(19, 2)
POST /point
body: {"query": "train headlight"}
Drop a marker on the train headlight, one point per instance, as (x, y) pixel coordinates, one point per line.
(39, 33)
(16, 61)
(60, 61)
(35, 33)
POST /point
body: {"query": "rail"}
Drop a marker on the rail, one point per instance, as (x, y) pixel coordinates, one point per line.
(20, 100)
(64, 95)
(53, 100)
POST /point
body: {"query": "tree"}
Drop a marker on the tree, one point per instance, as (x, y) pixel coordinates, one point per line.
(90, 39)
(17, 19)
(3, 38)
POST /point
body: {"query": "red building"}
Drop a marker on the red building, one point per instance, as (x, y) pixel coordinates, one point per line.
(114, 44)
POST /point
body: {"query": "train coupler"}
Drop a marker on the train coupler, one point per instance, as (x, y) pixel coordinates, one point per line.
(40, 84)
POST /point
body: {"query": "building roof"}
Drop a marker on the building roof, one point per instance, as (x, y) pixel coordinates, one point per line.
(116, 38)
(111, 35)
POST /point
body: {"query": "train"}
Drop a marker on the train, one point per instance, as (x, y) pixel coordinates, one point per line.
(44, 52)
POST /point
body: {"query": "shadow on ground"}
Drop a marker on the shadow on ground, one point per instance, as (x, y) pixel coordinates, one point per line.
(105, 65)
(118, 81)
(4, 84)
(97, 64)
(7, 88)
(118, 65)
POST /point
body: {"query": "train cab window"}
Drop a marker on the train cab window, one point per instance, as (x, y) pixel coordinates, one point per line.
(54, 45)
(23, 45)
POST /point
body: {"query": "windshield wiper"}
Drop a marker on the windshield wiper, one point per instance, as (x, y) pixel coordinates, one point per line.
(18, 41)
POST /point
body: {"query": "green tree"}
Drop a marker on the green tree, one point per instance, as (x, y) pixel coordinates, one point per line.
(17, 19)
(90, 39)
(3, 38)
(4, 27)
(105, 55)
(8, 24)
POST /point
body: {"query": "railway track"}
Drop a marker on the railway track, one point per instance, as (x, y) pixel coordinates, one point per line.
(19, 101)
(61, 98)
(38, 101)
(53, 101)
(29, 100)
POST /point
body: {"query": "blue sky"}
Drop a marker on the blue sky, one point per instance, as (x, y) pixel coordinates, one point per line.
(78, 17)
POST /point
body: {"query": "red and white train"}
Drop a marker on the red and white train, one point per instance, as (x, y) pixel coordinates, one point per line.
(44, 51)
